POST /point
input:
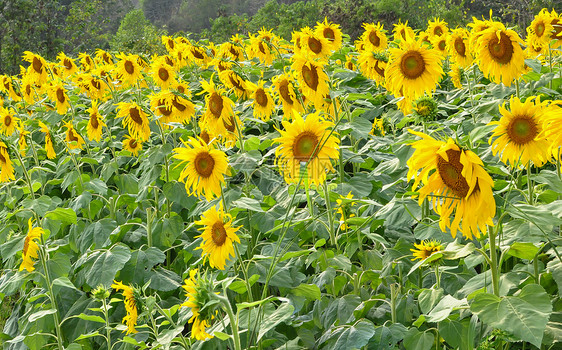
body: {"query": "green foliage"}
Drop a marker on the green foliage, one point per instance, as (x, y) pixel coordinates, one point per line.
(136, 34)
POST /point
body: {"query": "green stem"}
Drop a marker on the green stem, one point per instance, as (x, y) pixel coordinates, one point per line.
(26, 174)
(149, 220)
(393, 297)
(530, 184)
(536, 268)
(517, 93)
(494, 262)
(307, 190)
(107, 327)
(233, 322)
(43, 257)
(333, 240)
(437, 277)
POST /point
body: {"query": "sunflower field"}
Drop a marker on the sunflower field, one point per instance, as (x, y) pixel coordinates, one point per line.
(403, 191)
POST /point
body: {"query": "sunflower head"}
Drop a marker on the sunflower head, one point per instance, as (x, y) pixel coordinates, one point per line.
(31, 247)
(425, 249)
(374, 38)
(132, 303)
(163, 73)
(437, 28)
(200, 294)
(330, 32)
(425, 109)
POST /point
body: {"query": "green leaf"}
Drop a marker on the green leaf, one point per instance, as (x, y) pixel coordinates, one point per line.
(524, 315)
(221, 335)
(240, 306)
(428, 298)
(106, 264)
(164, 280)
(416, 340)
(64, 215)
(64, 282)
(88, 335)
(456, 333)
(93, 318)
(523, 250)
(39, 314)
(356, 336)
(444, 308)
(309, 291)
(248, 203)
(283, 312)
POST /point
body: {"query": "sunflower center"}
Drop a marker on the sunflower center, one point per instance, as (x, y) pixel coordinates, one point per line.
(28, 90)
(557, 28)
(181, 89)
(171, 44)
(501, 50)
(106, 58)
(442, 45)
(94, 121)
(163, 109)
(204, 164)
(460, 47)
(219, 233)
(349, 65)
(229, 124)
(72, 136)
(261, 97)
(60, 96)
(315, 45)
(215, 104)
(261, 48)
(178, 105)
(205, 136)
(135, 115)
(96, 84)
(374, 39)
(235, 82)
(438, 31)
(129, 67)
(8, 121)
(163, 74)
(329, 34)
(26, 242)
(284, 92)
(37, 65)
(67, 64)
(522, 130)
(133, 143)
(310, 77)
(539, 30)
(451, 173)
(412, 64)
(197, 54)
(305, 145)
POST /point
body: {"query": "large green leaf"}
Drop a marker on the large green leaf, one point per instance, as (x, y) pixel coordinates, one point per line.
(524, 315)
(416, 340)
(283, 312)
(105, 265)
(355, 336)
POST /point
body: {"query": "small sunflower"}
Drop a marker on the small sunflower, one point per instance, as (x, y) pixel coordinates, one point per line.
(403, 32)
(439, 43)
(307, 140)
(134, 119)
(38, 67)
(287, 94)
(8, 87)
(218, 107)
(22, 143)
(103, 57)
(28, 90)
(67, 64)
(540, 29)
(373, 65)
(349, 62)
(455, 181)
(8, 121)
(163, 74)
(132, 145)
(234, 81)
(204, 170)
(425, 248)
(378, 127)
(30, 247)
(86, 61)
(344, 210)
(260, 46)
(218, 236)
(128, 69)
(330, 32)
(312, 78)
(57, 93)
(161, 103)
(95, 123)
(6, 166)
(458, 49)
(425, 109)
(519, 133)
(263, 101)
(73, 139)
(456, 75)
(437, 28)
(198, 291)
(374, 38)
(198, 55)
(48, 141)
(314, 45)
(130, 306)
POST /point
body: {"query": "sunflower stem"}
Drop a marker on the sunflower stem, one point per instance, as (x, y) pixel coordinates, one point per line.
(233, 321)
(107, 325)
(307, 190)
(437, 277)
(393, 297)
(330, 216)
(517, 93)
(494, 262)
(149, 219)
(26, 174)
(529, 184)
(550, 64)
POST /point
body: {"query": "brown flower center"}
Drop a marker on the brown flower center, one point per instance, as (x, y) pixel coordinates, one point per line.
(501, 50)
(379, 70)
(442, 44)
(134, 113)
(315, 45)
(374, 39)
(204, 164)
(133, 143)
(37, 65)
(235, 81)
(67, 63)
(163, 74)
(28, 89)
(60, 95)
(305, 145)
(460, 47)
(181, 89)
(216, 104)
(72, 136)
(261, 97)
(539, 29)
(412, 64)
(349, 65)
(205, 136)
(230, 124)
(96, 84)
(329, 34)
(171, 44)
(106, 58)
(522, 129)
(219, 233)
(178, 105)
(129, 67)
(310, 76)
(197, 54)
(261, 47)
(438, 31)
(451, 173)
(163, 109)
(8, 121)
(94, 120)
(284, 91)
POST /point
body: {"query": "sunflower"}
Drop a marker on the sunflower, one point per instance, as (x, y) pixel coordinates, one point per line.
(456, 75)
(130, 305)
(307, 140)
(378, 127)
(198, 55)
(73, 139)
(349, 62)
(128, 69)
(499, 55)
(86, 62)
(260, 47)
(30, 247)
(344, 207)
(425, 109)
(22, 143)
(168, 42)
(103, 57)
(311, 77)
(437, 28)
(67, 64)
(556, 22)
(204, 170)
(287, 94)
(458, 49)
(28, 91)
(330, 32)
(8, 121)
(198, 291)
(413, 70)
(402, 32)
(234, 81)
(95, 123)
(134, 119)
(314, 45)
(519, 133)
(163, 74)
(373, 66)
(425, 248)
(38, 67)
(458, 182)
(231, 50)
(57, 93)
(48, 141)
(218, 236)
(8, 87)
(540, 30)
(552, 128)
(374, 37)
(6, 166)
(536, 50)
(132, 145)
(439, 43)
(218, 107)
(161, 103)
(263, 101)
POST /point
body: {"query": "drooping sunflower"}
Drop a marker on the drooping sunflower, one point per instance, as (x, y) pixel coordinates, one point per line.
(134, 119)
(345, 204)
(287, 94)
(103, 57)
(260, 46)
(425, 248)
(552, 129)
(455, 182)
(132, 145)
(540, 30)
(28, 90)
(95, 123)
(331, 32)
(48, 141)
(437, 28)
(72, 138)
(263, 101)
(218, 107)
(67, 64)
(30, 247)
(519, 133)
(373, 65)
(556, 22)
(312, 78)
(218, 236)
(314, 45)
(161, 103)
(197, 291)
(22, 143)
(163, 74)
(349, 62)
(57, 93)
(204, 170)
(8, 121)
(374, 38)
(413, 70)
(456, 75)
(198, 55)
(128, 69)
(499, 55)
(234, 81)
(130, 306)
(38, 67)
(457, 47)
(7, 86)
(6, 166)
(307, 140)
(403, 32)
(86, 62)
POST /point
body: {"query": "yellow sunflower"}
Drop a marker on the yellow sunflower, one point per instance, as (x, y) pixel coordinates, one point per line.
(94, 84)
(57, 93)
(95, 123)
(287, 94)
(130, 306)
(134, 119)
(437, 28)
(161, 103)
(86, 61)
(218, 107)
(413, 70)
(72, 138)
(163, 74)
(48, 141)
(378, 127)
(349, 62)
(344, 207)
(8, 121)
(30, 247)
(540, 30)
(22, 143)
(403, 32)
(519, 133)
(374, 38)
(312, 78)
(552, 128)
(556, 34)
(331, 32)
(307, 140)
(458, 49)
(197, 296)
(314, 45)
(103, 57)
(218, 236)
(67, 64)
(6, 166)
(132, 145)
(425, 248)
(168, 42)
(8, 87)
(373, 66)
(198, 55)
(439, 43)
(456, 75)
(28, 90)
(260, 46)
(204, 168)
(499, 55)
(37, 69)
(234, 81)
(456, 181)
(263, 101)
(128, 69)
